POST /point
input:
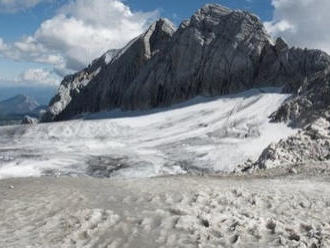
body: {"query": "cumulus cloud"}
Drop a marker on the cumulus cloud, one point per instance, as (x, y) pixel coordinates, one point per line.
(38, 76)
(34, 77)
(80, 31)
(303, 23)
(18, 5)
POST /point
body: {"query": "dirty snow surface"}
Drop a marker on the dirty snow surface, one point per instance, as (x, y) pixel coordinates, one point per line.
(164, 212)
(204, 134)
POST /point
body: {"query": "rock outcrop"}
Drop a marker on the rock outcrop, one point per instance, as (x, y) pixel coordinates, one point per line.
(310, 111)
(28, 120)
(218, 51)
(102, 85)
(311, 102)
(309, 145)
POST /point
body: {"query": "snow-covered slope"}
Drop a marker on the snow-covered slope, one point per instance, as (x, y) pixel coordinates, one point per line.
(204, 134)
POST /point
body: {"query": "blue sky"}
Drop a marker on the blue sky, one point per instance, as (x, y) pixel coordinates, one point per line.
(42, 40)
(21, 23)
(179, 10)
(15, 25)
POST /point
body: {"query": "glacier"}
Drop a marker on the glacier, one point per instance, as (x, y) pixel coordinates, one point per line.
(203, 135)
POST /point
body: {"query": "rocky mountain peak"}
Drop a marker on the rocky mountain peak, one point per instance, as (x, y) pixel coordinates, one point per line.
(22, 99)
(281, 44)
(214, 21)
(218, 14)
(165, 25)
(212, 10)
(218, 51)
(157, 35)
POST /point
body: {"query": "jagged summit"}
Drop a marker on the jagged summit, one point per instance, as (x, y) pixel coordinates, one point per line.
(218, 51)
(212, 10)
(108, 76)
(165, 25)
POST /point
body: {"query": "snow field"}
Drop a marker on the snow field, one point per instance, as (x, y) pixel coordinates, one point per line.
(204, 134)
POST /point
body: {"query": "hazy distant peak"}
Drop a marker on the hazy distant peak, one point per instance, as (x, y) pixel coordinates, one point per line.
(18, 104)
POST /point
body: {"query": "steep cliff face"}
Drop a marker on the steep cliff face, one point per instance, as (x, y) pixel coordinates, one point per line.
(102, 84)
(309, 110)
(218, 51)
(311, 102)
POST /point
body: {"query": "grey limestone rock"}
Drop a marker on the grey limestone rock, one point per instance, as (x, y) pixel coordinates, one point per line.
(218, 51)
(310, 144)
(102, 84)
(28, 120)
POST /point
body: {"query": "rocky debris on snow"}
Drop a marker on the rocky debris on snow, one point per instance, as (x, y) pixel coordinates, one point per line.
(310, 111)
(311, 102)
(310, 144)
(28, 120)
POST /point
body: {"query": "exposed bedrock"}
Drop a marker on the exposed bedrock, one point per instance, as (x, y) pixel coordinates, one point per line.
(218, 51)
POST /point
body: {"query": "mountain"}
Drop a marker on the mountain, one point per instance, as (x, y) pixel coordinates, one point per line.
(19, 104)
(41, 94)
(218, 51)
(13, 110)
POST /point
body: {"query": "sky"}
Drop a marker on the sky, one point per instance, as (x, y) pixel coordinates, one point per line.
(43, 40)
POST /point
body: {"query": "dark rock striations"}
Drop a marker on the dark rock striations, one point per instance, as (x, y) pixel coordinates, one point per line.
(218, 51)
(103, 84)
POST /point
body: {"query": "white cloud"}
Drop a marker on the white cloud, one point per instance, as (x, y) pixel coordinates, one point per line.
(80, 31)
(38, 76)
(18, 5)
(3, 46)
(303, 23)
(32, 77)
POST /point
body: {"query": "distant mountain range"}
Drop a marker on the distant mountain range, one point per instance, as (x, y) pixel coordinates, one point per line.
(14, 109)
(41, 94)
